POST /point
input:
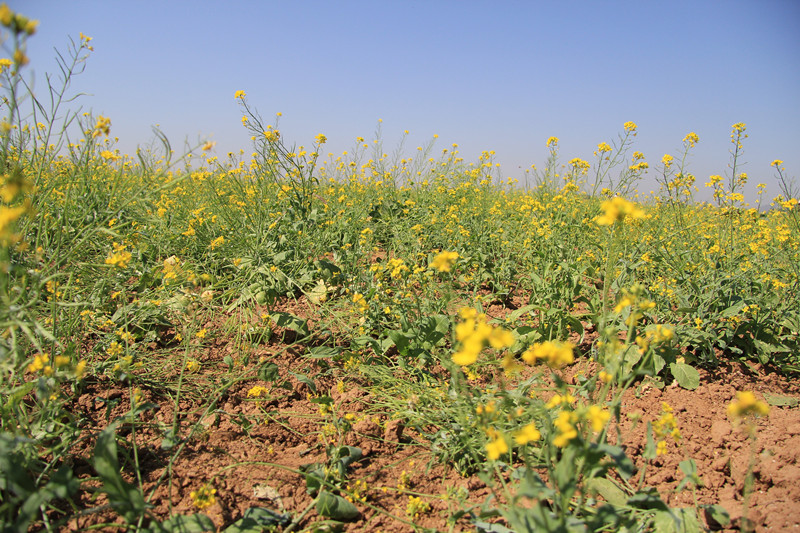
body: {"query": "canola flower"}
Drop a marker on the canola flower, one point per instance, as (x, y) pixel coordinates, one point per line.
(497, 446)
(204, 497)
(666, 425)
(474, 334)
(416, 506)
(444, 261)
(527, 434)
(565, 424)
(258, 391)
(555, 354)
(616, 210)
(745, 404)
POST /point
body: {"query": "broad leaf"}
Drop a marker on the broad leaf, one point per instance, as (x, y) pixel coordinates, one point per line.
(336, 507)
(686, 375)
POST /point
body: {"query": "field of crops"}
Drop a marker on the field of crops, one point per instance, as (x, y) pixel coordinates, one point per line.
(285, 340)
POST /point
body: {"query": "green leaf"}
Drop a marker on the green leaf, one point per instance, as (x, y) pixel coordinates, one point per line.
(717, 513)
(268, 372)
(608, 490)
(323, 352)
(686, 375)
(319, 293)
(302, 378)
(689, 469)
(780, 401)
(126, 499)
(676, 520)
(291, 322)
(196, 523)
(648, 498)
(336, 507)
(256, 519)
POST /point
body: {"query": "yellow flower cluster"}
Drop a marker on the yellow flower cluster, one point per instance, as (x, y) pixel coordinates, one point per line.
(119, 257)
(203, 497)
(474, 333)
(691, 139)
(416, 506)
(554, 353)
(746, 404)
(102, 127)
(16, 22)
(616, 209)
(565, 424)
(667, 424)
(257, 392)
(443, 262)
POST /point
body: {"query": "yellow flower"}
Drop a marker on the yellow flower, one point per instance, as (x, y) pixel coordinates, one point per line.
(603, 147)
(201, 334)
(566, 429)
(203, 497)
(209, 145)
(597, 417)
(257, 392)
(119, 257)
(500, 338)
(776, 163)
(552, 142)
(38, 363)
(80, 368)
(630, 127)
(746, 404)
(7, 216)
(102, 126)
(691, 138)
(114, 349)
(498, 445)
(555, 353)
(6, 15)
(616, 209)
(444, 261)
(473, 333)
(320, 139)
(240, 95)
(558, 399)
(661, 448)
(527, 434)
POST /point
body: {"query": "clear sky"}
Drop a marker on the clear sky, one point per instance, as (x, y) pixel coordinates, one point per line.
(488, 75)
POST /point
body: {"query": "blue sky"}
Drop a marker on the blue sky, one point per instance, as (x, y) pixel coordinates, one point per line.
(488, 75)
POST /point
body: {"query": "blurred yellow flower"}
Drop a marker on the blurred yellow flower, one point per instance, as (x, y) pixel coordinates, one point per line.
(566, 429)
(203, 497)
(746, 404)
(240, 95)
(444, 261)
(616, 209)
(527, 434)
(597, 417)
(555, 353)
(497, 446)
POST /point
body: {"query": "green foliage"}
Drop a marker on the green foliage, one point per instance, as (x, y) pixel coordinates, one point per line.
(126, 270)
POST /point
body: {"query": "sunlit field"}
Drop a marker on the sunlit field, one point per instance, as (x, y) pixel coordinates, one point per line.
(282, 339)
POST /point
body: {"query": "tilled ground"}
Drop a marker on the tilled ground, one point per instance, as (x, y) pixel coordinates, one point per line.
(253, 450)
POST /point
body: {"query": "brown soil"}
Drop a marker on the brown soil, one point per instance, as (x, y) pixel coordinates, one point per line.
(252, 450)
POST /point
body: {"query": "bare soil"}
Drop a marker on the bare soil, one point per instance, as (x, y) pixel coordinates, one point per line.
(252, 450)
